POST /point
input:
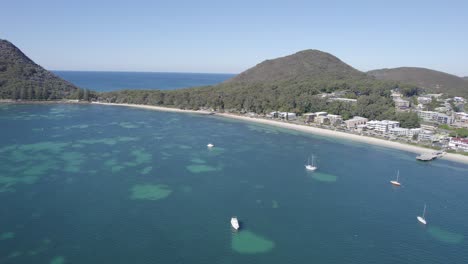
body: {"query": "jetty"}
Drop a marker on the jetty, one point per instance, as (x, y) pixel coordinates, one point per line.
(430, 156)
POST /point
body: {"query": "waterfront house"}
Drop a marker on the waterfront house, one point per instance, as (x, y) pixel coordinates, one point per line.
(460, 144)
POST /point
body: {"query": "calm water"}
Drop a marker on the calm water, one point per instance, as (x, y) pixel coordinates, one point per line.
(110, 81)
(97, 184)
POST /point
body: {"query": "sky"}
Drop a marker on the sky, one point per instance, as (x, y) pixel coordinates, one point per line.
(232, 36)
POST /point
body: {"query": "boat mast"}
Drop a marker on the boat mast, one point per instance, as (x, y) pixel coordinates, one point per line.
(424, 211)
(398, 175)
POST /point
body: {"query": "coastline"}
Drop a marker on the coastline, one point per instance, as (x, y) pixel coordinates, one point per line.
(309, 129)
(301, 128)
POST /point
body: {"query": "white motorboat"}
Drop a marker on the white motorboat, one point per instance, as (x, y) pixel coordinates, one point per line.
(210, 145)
(235, 223)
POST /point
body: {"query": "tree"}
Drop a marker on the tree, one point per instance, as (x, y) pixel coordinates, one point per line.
(86, 95)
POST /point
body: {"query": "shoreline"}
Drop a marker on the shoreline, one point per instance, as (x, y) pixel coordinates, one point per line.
(311, 130)
(302, 128)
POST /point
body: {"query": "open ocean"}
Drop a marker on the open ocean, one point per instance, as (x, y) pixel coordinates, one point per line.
(110, 81)
(108, 184)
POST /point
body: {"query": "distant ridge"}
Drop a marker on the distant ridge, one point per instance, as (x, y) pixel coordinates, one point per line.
(303, 65)
(430, 80)
(21, 78)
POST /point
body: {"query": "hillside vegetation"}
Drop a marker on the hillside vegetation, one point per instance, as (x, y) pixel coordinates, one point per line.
(21, 78)
(292, 83)
(431, 81)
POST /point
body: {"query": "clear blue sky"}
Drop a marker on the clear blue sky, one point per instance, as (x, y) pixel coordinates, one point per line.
(231, 36)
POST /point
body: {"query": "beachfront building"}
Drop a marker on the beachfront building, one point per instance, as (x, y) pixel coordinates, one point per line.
(322, 120)
(355, 121)
(383, 126)
(335, 119)
(399, 132)
(308, 117)
(287, 116)
(460, 144)
(426, 135)
(404, 132)
(311, 117)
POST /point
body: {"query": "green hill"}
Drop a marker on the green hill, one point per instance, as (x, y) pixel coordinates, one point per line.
(431, 81)
(21, 78)
(301, 66)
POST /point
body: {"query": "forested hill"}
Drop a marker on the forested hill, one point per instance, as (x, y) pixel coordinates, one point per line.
(431, 81)
(21, 78)
(301, 66)
(292, 83)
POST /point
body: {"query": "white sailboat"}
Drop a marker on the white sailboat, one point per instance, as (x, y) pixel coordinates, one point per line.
(421, 219)
(235, 223)
(396, 183)
(210, 145)
(311, 166)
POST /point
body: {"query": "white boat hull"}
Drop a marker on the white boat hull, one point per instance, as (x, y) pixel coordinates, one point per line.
(210, 145)
(395, 183)
(310, 167)
(235, 223)
(422, 220)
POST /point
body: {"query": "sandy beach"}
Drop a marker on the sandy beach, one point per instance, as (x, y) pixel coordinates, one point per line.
(309, 129)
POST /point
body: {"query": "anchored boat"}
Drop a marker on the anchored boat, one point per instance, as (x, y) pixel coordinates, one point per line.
(311, 166)
(421, 219)
(235, 223)
(396, 183)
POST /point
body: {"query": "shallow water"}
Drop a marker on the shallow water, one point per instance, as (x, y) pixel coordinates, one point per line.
(102, 184)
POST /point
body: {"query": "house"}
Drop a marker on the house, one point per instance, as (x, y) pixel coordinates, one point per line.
(401, 103)
(309, 117)
(322, 120)
(460, 144)
(424, 100)
(335, 119)
(355, 121)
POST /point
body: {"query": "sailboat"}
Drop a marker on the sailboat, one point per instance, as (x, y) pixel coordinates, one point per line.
(396, 183)
(310, 164)
(421, 219)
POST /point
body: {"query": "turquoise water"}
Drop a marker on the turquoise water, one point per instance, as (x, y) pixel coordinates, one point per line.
(102, 184)
(110, 81)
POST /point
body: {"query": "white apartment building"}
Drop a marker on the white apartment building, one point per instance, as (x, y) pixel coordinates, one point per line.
(428, 115)
(404, 132)
(383, 126)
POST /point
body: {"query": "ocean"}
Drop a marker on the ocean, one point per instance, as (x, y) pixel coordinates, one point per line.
(108, 184)
(111, 81)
